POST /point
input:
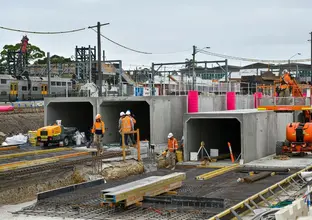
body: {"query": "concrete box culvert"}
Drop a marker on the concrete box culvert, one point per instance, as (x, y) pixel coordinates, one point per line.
(73, 113)
(250, 132)
(110, 111)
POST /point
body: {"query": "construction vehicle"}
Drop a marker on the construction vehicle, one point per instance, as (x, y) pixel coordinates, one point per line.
(290, 98)
(55, 134)
(298, 139)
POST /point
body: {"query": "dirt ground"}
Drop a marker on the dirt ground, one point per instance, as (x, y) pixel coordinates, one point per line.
(12, 124)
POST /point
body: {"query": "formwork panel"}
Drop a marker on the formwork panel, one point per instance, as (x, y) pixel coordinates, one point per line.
(255, 135)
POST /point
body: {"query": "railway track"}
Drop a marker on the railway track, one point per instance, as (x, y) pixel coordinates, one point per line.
(58, 165)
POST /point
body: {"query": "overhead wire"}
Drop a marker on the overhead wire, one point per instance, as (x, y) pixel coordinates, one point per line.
(137, 51)
(43, 32)
(250, 59)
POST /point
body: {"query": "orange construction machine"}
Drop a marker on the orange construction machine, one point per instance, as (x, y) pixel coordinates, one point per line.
(298, 139)
(288, 97)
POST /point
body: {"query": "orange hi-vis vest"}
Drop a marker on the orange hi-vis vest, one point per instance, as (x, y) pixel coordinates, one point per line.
(172, 144)
(126, 124)
(98, 127)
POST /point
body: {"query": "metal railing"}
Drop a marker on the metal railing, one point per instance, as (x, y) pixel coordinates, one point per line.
(289, 101)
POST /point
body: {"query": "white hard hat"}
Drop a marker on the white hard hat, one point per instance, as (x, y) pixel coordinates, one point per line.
(128, 112)
(122, 114)
(170, 135)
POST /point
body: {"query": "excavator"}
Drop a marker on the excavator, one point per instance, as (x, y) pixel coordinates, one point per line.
(298, 134)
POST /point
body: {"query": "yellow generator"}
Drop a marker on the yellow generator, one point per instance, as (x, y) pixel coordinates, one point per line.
(55, 134)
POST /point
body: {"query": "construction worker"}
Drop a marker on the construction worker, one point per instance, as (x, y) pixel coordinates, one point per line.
(126, 126)
(128, 113)
(172, 147)
(122, 115)
(284, 89)
(98, 131)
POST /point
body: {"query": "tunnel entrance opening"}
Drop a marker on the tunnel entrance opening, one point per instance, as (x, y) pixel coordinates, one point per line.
(72, 114)
(216, 133)
(111, 113)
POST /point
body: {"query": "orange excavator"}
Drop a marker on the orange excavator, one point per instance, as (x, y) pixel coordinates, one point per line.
(298, 134)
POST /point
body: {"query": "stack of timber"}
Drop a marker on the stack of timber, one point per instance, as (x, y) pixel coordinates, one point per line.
(133, 192)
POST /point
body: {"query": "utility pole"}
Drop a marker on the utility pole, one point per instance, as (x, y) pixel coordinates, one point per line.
(193, 62)
(100, 75)
(311, 57)
(49, 73)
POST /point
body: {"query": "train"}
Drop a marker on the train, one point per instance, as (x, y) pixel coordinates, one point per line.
(36, 88)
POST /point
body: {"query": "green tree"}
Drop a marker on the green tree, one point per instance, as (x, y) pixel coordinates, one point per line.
(54, 60)
(33, 52)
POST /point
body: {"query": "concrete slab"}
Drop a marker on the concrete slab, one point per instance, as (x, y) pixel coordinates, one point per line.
(269, 161)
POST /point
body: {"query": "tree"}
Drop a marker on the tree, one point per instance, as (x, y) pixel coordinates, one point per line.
(54, 60)
(33, 52)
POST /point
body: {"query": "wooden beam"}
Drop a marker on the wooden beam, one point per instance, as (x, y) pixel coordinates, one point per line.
(133, 192)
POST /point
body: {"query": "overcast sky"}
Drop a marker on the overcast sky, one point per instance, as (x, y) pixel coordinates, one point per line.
(266, 29)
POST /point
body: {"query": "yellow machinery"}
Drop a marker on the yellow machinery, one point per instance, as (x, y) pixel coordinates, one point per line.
(55, 134)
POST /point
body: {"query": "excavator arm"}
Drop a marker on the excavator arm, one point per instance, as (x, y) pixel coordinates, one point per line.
(287, 81)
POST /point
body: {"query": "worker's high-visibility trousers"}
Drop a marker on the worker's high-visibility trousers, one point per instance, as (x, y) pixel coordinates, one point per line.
(97, 140)
(172, 158)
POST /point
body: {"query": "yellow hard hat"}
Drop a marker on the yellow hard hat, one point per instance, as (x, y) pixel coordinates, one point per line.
(98, 116)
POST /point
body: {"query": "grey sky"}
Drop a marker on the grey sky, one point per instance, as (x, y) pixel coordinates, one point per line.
(267, 29)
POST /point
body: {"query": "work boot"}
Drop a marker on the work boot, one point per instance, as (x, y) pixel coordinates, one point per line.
(173, 168)
(167, 167)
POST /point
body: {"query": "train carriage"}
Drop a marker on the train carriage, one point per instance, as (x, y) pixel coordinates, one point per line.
(12, 89)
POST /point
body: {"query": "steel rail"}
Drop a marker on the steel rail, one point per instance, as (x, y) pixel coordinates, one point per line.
(265, 196)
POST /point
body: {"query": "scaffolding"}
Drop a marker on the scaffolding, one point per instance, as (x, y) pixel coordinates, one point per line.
(85, 57)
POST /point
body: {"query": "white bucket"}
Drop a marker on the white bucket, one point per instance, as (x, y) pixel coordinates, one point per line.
(193, 156)
(59, 122)
(214, 152)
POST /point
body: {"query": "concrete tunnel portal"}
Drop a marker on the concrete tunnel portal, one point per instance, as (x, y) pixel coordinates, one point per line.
(81, 115)
(72, 114)
(110, 111)
(216, 133)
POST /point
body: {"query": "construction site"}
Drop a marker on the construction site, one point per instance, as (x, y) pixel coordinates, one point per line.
(88, 139)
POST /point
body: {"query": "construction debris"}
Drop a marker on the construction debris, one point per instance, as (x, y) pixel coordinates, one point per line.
(15, 140)
(270, 169)
(281, 157)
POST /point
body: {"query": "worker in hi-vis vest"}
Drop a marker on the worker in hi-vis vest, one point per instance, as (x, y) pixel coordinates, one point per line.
(98, 131)
(134, 122)
(126, 125)
(172, 147)
(122, 115)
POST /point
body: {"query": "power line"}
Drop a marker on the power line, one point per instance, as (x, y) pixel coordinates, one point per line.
(81, 29)
(137, 51)
(250, 59)
(43, 32)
